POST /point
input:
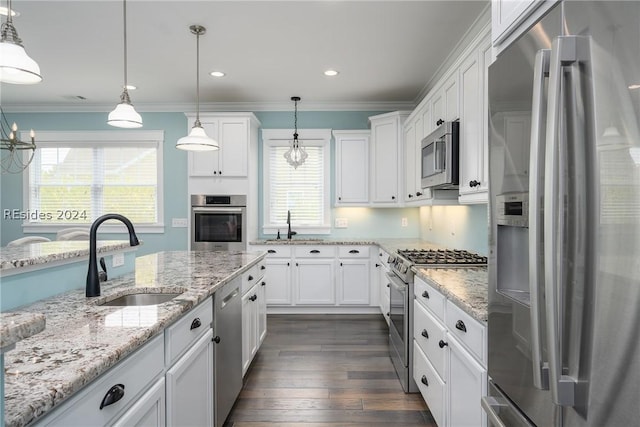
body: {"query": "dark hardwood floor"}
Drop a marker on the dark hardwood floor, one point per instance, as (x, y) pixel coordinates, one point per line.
(326, 370)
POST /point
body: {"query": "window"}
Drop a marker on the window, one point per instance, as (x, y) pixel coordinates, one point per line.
(303, 191)
(75, 177)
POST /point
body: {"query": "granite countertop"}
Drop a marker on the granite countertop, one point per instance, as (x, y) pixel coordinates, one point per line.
(15, 257)
(466, 287)
(17, 326)
(388, 244)
(82, 340)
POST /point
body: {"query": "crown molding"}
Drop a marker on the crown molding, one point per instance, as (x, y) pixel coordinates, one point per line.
(213, 107)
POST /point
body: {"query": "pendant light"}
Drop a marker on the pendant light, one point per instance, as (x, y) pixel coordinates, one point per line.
(295, 155)
(197, 140)
(16, 67)
(124, 115)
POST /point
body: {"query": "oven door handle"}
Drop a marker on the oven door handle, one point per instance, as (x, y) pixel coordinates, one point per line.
(216, 210)
(397, 283)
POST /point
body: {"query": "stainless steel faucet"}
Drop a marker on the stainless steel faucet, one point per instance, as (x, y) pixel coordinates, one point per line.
(93, 280)
(289, 232)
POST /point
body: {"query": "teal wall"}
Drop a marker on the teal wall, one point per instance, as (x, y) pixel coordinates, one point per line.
(362, 222)
(458, 227)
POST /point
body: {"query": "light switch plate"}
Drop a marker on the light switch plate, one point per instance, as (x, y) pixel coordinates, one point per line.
(405, 222)
(179, 222)
(117, 260)
(342, 222)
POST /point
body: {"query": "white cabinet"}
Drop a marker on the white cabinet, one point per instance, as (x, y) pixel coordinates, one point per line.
(387, 158)
(233, 133)
(353, 283)
(189, 384)
(148, 411)
(450, 356)
(278, 276)
(314, 279)
(384, 284)
(352, 167)
(254, 313)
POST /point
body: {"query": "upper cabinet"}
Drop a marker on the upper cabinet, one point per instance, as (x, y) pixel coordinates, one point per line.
(233, 133)
(510, 18)
(352, 167)
(387, 158)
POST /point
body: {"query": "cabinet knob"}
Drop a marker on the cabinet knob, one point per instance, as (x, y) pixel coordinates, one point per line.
(410, 195)
(393, 197)
(443, 344)
(388, 285)
(425, 294)
(439, 122)
(215, 172)
(219, 172)
(250, 278)
(424, 381)
(388, 314)
(339, 198)
(461, 326)
(425, 334)
(114, 394)
(263, 283)
(418, 194)
(195, 324)
(340, 264)
(288, 264)
(253, 297)
(377, 265)
(262, 267)
(474, 183)
(216, 339)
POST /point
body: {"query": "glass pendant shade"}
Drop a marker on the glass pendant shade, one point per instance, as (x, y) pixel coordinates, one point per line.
(16, 67)
(295, 155)
(197, 140)
(124, 116)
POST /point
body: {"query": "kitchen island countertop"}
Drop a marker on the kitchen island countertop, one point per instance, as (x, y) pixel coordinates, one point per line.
(83, 340)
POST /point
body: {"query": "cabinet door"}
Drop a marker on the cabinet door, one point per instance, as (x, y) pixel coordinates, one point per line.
(205, 163)
(437, 108)
(190, 386)
(451, 97)
(471, 144)
(352, 169)
(233, 137)
(410, 154)
(148, 411)
(428, 123)
(315, 282)
(517, 136)
(467, 384)
(262, 312)
(384, 140)
(385, 297)
(353, 282)
(278, 278)
(249, 327)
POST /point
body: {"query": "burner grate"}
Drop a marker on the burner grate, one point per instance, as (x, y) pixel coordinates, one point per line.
(445, 257)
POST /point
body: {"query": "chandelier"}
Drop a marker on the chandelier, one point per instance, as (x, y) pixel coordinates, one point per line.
(295, 155)
(16, 154)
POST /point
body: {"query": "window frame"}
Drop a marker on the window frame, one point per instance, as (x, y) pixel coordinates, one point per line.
(89, 138)
(308, 137)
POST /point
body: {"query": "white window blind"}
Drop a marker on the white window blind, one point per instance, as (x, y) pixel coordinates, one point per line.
(76, 177)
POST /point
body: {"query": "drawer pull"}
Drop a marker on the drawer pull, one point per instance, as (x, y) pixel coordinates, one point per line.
(216, 339)
(461, 326)
(425, 294)
(271, 251)
(263, 283)
(195, 324)
(424, 381)
(425, 334)
(262, 267)
(377, 265)
(443, 344)
(114, 394)
(354, 251)
(250, 278)
(315, 251)
(253, 297)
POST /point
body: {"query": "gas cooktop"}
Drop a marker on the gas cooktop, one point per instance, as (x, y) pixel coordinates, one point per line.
(443, 257)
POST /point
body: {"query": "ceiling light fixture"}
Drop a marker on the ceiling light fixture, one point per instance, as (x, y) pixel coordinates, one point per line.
(4, 11)
(197, 140)
(13, 160)
(124, 115)
(331, 73)
(295, 155)
(16, 67)
(217, 74)
(634, 86)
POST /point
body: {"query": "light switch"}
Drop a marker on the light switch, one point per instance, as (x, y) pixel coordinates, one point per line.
(405, 222)
(117, 260)
(179, 222)
(342, 222)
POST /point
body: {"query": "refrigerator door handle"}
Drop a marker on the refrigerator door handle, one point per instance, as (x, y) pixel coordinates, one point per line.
(567, 51)
(536, 236)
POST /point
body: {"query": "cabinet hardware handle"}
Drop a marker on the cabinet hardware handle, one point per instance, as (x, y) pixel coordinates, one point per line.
(340, 264)
(443, 344)
(315, 251)
(425, 294)
(424, 381)
(388, 285)
(114, 394)
(393, 197)
(195, 324)
(215, 172)
(339, 198)
(253, 297)
(263, 283)
(250, 278)
(271, 251)
(439, 122)
(297, 264)
(388, 314)
(425, 334)
(410, 195)
(216, 339)
(354, 251)
(219, 172)
(288, 264)
(474, 183)
(418, 194)
(377, 265)
(262, 267)
(461, 326)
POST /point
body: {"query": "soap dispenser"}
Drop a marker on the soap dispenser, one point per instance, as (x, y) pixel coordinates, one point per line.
(278, 236)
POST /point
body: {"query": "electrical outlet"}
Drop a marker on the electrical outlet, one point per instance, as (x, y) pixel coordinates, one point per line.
(342, 222)
(179, 222)
(405, 222)
(117, 260)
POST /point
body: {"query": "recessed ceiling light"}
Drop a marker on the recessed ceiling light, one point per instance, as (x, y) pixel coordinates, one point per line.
(3, 11)
(331, 73)
(217, 74)
(636, 86)
(131, 87)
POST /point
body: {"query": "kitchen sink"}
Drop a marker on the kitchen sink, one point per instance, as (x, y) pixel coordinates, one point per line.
(140, 299)
(296, 240)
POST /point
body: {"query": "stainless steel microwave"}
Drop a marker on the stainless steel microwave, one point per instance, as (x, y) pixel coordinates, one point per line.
(440, 152)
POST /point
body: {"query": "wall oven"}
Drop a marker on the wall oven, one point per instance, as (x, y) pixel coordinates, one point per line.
(441, 157)
(219, 223)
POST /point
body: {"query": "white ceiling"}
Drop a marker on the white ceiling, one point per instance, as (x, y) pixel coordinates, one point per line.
(386, 52)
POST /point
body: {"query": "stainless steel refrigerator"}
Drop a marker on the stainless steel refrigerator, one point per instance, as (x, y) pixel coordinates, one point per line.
(564, 269)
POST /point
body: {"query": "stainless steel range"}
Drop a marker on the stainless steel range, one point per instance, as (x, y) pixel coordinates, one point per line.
(401, 297)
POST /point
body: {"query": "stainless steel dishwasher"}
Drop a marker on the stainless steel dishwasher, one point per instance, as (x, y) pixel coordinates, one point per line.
(227, 331)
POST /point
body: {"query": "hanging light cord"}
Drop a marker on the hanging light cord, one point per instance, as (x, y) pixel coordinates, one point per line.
(197, 123)
(125, 92)
(295, 125)
(9, 33)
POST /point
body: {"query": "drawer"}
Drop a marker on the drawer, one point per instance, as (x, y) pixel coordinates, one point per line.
(135, 373)
(470, 332)
(427, 333)
(431, 298)
(182, 334)
(252, 276)
(383, 258)
(278, 251)
(261, 268)
(314, 251)
(353, 251)
(430, 385)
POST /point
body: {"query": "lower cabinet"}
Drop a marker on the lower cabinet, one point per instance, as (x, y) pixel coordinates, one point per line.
(467, 383)
(254, 319)
(148, 411)
(384, 284)
(314, 279)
